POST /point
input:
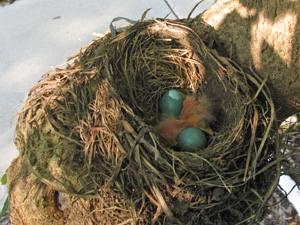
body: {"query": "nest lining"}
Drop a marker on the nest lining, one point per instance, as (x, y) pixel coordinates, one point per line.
(89, 131)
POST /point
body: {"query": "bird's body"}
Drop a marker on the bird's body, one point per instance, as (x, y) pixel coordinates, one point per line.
(195, 113)
(170, 128)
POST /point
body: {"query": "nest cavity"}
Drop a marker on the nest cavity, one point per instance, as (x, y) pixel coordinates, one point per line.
(89, 130)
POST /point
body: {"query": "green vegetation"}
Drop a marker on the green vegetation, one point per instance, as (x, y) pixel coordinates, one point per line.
(5, 206)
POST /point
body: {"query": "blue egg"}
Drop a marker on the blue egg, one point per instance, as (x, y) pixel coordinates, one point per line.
(172, 102)
(191, 138)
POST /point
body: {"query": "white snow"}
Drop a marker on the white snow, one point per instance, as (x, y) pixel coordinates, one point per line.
(287, 184)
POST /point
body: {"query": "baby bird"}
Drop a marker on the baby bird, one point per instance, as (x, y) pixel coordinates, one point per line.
(195, 113)
(170, 128)
(197, 110)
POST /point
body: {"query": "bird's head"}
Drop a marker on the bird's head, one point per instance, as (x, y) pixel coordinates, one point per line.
(203, 125)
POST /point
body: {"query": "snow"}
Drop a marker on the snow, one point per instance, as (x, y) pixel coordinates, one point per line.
(287, 184)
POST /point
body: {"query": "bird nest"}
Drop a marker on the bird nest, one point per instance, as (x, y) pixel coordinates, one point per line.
(89, 131)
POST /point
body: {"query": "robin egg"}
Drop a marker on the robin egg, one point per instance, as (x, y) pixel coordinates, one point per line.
(191, 139)
(172, 102)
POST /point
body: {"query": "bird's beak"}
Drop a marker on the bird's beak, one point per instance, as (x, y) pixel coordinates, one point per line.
(207, 130)
(204, 126)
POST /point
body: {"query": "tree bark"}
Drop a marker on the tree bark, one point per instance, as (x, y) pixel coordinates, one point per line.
(262, 35)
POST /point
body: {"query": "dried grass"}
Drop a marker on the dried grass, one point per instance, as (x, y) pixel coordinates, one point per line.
(89, 131)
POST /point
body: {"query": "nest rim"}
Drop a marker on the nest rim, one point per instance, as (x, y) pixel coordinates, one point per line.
(131, 136)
